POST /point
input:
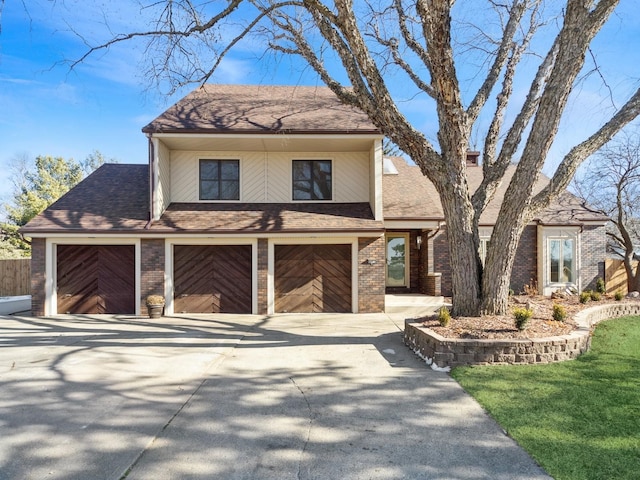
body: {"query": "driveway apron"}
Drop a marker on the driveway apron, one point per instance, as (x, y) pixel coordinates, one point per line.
(237, 397)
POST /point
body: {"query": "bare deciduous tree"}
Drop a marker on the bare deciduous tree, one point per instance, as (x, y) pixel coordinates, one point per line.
(611, 185)
(373, 44)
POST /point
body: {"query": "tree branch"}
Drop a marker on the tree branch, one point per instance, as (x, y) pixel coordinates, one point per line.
(576, 156)
(213, 21)
(515, 16)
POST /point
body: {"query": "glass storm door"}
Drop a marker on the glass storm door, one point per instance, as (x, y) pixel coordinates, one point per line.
(397, 260)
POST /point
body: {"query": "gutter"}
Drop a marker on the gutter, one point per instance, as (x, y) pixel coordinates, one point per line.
(151, 181)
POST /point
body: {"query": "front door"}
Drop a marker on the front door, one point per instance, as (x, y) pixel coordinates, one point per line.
(397, 259)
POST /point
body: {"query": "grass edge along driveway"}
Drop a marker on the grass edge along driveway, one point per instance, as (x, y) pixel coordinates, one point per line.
(578, 419)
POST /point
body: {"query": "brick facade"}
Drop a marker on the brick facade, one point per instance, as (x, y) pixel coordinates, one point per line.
(593, 246)
(371, 275)
(37, 276)
(263, 247)
(441, 261)
(525, 267)
(152, 263)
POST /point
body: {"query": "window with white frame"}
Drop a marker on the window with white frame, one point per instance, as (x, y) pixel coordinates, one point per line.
(561, 255)
(484, 247)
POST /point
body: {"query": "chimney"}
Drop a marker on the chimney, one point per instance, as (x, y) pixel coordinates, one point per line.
(472, 158)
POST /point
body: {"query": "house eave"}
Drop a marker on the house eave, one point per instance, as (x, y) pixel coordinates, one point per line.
(167, 132)
(412, 223)
(140, 233)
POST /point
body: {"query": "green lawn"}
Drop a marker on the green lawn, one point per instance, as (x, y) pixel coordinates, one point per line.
(579, 419)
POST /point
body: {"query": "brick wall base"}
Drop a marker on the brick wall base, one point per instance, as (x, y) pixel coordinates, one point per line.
(37, 276)
(444, 353)
(371, 280)
(434, 284)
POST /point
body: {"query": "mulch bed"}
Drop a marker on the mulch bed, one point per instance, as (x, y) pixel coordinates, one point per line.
(541, 323)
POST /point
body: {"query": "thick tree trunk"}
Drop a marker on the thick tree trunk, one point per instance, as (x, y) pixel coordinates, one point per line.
(463, 241)
(498, 265)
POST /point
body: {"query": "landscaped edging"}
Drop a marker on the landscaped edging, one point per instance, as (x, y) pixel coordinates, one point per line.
(443, 353)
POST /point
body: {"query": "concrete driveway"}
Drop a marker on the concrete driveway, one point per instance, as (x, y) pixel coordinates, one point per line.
(236, 397)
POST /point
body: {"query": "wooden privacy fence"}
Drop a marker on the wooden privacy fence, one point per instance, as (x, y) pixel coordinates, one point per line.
(15, 277)
(616, 276)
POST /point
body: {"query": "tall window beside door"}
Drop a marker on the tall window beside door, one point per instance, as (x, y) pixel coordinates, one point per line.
(219, 179)
(397, 256)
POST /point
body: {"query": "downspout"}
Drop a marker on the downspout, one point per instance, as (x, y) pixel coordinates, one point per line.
(151, 181)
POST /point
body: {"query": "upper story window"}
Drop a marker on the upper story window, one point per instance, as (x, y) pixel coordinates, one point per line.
(312, 180)
(219, 179)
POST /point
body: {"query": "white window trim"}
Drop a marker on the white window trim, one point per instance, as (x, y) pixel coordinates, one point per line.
(485, 237)
(484, 247)
(545, 236)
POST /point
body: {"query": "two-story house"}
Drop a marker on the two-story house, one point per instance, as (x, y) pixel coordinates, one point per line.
(262, 199)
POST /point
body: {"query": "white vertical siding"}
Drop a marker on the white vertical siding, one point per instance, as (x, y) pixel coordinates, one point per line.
(375, 179)
(164, 176)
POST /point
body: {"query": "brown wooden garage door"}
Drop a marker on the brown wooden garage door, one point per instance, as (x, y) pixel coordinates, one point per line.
(96, 279)
(212, 278)
(313, 278)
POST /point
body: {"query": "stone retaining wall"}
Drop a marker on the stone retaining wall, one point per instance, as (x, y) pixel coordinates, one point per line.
(443, 353)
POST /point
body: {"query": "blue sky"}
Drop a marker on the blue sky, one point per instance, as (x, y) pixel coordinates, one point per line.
(102, 103)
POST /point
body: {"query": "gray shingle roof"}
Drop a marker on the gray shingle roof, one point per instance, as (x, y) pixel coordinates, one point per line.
(410, 195)
(269, 217)
(114, 198)
(261, 109)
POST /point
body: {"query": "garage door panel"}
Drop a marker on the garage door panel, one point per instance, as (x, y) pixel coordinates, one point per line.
(332, 252)
(289, 303)
(294, 252)
(313, 278)
(332, 268)
(95, 279)
(194, 303)
(213, 278)
(232, 303)
(336, 286)
(81, 302)
(294, 286)
(336, 297)
(294, 267)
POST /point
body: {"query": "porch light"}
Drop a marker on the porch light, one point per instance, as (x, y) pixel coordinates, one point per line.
(419, 241)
